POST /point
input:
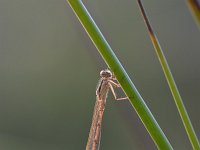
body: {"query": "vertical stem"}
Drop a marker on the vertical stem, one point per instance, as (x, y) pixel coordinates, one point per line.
(172, 85)
(129, 88)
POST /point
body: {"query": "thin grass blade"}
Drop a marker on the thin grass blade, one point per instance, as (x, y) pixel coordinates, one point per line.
(127, 85)
(172, 85)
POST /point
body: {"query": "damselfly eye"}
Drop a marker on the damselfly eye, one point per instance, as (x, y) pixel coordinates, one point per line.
(106, 73)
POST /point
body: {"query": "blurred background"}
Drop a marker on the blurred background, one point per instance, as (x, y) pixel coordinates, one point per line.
(49, 69)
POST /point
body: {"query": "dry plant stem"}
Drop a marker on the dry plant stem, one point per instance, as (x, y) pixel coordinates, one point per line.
(174, 90)
(128, 87)
(194, 6)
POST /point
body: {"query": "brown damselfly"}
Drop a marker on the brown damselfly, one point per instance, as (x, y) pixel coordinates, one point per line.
(107, 81)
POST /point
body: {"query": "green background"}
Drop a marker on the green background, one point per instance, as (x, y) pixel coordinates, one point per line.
(49, 69)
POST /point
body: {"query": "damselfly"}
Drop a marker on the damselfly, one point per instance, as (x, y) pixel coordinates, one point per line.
(107, 81)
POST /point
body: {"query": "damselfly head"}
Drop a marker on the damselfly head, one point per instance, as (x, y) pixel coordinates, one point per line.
(106, 73)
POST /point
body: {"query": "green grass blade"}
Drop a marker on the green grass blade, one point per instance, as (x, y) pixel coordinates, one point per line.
(174, 90)
(194, 6)
(110, 58)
